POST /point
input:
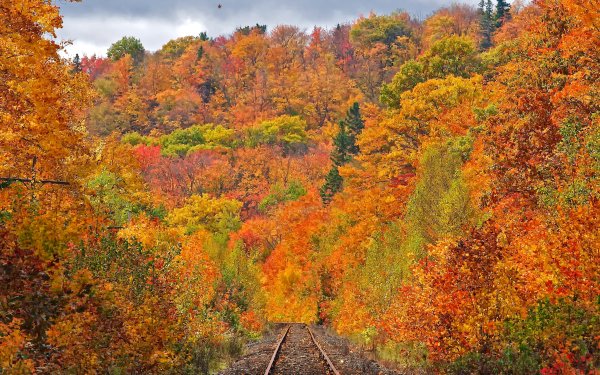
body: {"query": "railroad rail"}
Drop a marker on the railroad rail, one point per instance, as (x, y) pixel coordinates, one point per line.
(325, 356)
(286, 331)
(277, 349)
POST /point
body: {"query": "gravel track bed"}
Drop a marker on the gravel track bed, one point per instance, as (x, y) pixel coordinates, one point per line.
(299, 355)
(348, 359)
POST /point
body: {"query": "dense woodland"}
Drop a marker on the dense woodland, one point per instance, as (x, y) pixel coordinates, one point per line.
(428, 188)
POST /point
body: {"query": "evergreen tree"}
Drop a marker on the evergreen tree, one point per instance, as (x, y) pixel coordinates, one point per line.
(484, 25)
(344, 148)
(343, 143)
(76, 64)
(487, 23)
(502, 12)
(333, 184)
(246, 30)
(355, 124)
(489, 13)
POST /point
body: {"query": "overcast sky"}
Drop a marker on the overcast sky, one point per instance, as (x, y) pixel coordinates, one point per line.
(93, 25)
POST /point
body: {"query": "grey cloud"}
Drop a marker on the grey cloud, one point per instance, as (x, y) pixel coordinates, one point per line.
(94, 24)
(305, 9)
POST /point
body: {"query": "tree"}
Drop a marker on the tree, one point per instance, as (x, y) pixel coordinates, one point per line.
(127, 45)
(484, 298)
(381, 44)
(333, 185)
(202, 212)
(379, 29)
(77, 64)
(453, 55)
(457, 19)
(344, 148)
(174, 48)
(287, 132)
(440, 205)
(40, 98)
(246, 30)
(410, 74)
(489, 14)
(355, 125)
(41, 138)
(94, 66)
(502, 12)
(486, 24)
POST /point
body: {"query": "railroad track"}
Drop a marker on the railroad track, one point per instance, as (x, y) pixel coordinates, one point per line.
(277, 361)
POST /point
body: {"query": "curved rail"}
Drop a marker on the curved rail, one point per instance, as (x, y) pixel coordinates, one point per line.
(312, 336)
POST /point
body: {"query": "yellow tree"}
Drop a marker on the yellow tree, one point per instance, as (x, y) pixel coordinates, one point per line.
(41, 141)
(457, 19)
(40, 99)
(435, 108)
(41, 134)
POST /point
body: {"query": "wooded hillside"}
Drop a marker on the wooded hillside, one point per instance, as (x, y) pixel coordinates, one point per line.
(429, 188)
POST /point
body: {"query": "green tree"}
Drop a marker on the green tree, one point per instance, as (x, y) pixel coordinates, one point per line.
(108, 197)
(127, 45)
(344, 148)
(440, 205)
(379, 29)
(246, 30)
(287, 132)
(279, 194)
(216, 215)
(174, 48)
(486, 23)
(355, 125)
(453, 55)
(182, 142)
(76, 64)
(411, 73)
(502, 12)
(456, 55)
(342, 143)
(333, 184)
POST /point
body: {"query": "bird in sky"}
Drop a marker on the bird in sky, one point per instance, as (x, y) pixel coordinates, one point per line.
(219, 6)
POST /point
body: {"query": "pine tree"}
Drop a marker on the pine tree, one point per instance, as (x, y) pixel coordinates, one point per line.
(502, 12)
(484, 25)
(489, 13)
(342, 145)
(355, 125)
(333, 184)
(76, 64)
(344, 148)
(487, 23)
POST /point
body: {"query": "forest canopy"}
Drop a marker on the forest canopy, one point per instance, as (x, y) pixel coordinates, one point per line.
(428, 188)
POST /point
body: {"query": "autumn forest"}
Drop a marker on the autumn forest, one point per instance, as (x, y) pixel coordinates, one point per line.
(426, 187)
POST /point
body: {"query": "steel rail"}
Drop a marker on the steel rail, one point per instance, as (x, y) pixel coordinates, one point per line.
(277, 349)
(331, 366)
(314, 340)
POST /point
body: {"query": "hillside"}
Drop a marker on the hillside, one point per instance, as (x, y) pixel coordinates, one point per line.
(426, 188)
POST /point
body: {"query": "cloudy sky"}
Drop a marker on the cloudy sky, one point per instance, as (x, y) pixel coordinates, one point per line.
(93, 25)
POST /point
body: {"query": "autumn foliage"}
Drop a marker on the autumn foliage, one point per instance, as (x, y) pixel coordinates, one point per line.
(428, 188)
